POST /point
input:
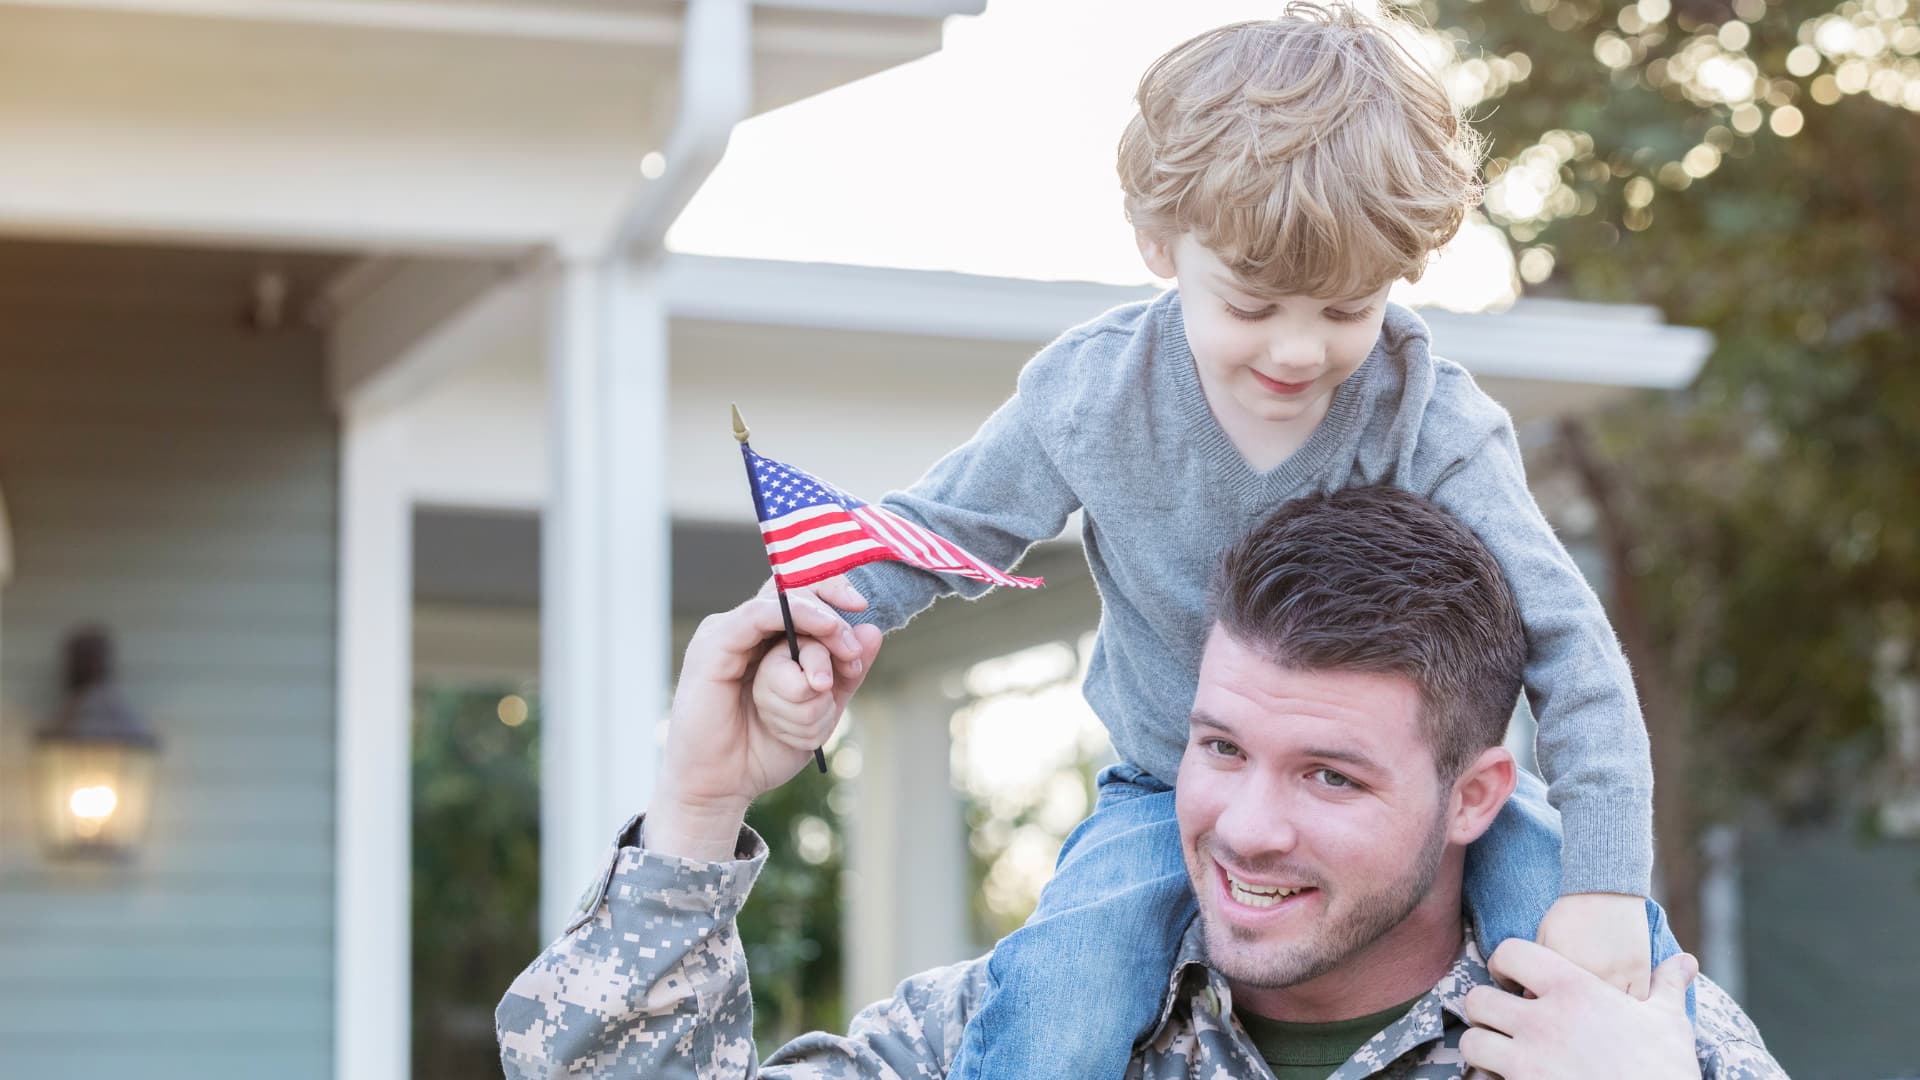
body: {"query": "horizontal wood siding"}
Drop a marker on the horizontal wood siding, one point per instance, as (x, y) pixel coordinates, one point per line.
(173, 477)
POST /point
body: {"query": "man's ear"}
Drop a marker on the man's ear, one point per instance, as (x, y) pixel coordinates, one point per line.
(1478, 795)
(1156, 250)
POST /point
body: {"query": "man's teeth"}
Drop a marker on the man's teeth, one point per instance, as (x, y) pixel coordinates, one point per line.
(1254, 896)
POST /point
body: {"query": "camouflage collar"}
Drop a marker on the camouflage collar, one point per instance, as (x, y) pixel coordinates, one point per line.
(1206, 994)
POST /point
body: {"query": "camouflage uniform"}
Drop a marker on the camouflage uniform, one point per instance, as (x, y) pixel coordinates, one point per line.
(649, 981)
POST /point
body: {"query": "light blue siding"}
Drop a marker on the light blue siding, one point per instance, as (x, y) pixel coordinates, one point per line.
(174, 478)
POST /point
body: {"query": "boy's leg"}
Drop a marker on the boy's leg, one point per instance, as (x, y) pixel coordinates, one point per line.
(1513, 875)
(1070, 992)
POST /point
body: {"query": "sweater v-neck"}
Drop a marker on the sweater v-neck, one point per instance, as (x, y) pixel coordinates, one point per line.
(1256, 488)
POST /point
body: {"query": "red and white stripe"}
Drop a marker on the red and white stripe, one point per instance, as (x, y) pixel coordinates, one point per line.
(817, 542)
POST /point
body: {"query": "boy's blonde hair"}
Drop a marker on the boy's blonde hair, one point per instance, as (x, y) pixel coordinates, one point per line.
(1312, 153)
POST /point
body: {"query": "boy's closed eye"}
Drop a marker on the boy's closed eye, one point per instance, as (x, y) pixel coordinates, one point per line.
(1335, 314)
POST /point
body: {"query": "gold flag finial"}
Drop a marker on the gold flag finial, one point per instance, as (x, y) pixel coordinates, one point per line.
(739, 426)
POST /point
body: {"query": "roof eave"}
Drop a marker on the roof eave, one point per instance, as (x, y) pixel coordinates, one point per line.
(1554, 341)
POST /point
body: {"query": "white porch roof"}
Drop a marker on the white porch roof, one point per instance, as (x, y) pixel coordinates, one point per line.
(915, 360)
(469, 126)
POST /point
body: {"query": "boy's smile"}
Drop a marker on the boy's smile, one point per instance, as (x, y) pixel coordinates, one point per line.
(1269, 364)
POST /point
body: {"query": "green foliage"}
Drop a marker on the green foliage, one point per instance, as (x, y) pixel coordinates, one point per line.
(1749, 167)
(791, 924)
(476, 885)
(476, 873)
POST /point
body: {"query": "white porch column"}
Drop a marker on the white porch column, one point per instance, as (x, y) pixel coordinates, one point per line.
(373, 843)
(906, 903)
(605, 573)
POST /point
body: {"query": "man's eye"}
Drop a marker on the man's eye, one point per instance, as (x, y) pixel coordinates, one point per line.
(1333, 779)
(1221, 747)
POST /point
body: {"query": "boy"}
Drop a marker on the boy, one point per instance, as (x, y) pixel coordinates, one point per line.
(1284, 173)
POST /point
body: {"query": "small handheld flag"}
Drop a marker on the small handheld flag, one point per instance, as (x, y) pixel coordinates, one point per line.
(786, 611)
(814, 530)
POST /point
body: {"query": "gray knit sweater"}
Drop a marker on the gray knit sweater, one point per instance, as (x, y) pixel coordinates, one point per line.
(1111, 419)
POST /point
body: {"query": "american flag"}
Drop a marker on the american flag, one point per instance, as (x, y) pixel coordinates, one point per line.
(814, 530)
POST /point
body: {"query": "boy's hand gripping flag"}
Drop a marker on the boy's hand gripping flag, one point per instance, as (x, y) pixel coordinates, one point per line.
(814, 530)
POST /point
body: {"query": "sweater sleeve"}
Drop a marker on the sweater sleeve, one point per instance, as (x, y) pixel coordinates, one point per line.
(996, 496)
(1592, 742)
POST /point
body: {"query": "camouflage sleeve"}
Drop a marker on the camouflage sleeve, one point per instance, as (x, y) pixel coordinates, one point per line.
(649, 981)
(912, 1035)
(1728, 1045)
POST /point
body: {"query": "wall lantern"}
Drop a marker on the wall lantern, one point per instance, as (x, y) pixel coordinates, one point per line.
(95, 761)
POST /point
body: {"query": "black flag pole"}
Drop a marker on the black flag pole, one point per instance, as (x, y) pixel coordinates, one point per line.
(759, 515)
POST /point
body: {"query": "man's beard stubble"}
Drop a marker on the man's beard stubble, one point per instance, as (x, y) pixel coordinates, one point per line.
(1377, 913)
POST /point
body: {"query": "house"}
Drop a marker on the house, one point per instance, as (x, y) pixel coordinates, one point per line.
(239, 237)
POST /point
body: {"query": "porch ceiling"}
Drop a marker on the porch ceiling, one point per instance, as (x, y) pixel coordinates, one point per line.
(427, 125)
(204, 285)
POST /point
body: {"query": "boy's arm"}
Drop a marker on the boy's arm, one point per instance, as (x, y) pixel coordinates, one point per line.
(996, 496)
(650, 982)
(1592, 743)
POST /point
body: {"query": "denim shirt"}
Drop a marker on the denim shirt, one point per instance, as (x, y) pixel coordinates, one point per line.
(650, 981)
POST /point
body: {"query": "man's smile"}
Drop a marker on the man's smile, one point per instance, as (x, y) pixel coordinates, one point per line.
(1248, 901)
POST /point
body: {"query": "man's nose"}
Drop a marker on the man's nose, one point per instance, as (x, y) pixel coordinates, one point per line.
(1258, 820)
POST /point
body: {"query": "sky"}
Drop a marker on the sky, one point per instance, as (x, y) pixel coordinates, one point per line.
(992, 156)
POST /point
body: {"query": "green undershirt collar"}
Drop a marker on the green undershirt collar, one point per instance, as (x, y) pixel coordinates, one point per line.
(1298, 1051)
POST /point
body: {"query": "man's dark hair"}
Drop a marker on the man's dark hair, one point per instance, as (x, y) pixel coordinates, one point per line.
(1381, 580)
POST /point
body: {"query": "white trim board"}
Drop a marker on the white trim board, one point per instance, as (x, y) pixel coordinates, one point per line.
(633, 22)
(1549, 340)
(6, 543)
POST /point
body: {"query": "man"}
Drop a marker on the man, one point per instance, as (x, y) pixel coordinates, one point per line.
(1344, 752)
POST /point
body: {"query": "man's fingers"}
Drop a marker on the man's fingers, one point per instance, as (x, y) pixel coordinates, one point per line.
(1671, 979)
(1492, 1007)
(745, 627)
(1531, 965)
(1488, 1050)
(813, 618)
(854, 672)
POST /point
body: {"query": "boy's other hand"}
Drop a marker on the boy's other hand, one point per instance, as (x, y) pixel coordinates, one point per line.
(836, 590)
(1572, 1027)
(1606, 933)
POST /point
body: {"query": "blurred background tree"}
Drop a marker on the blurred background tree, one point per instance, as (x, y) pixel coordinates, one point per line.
(476, 869)
(1751, 167)
(791, 924)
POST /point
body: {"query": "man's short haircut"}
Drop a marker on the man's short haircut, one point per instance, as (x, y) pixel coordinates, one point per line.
(1313, 153)
(1380, 580)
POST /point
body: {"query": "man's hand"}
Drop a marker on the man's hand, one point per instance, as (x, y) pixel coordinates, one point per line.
(1606, 933)
(746, 718)
(1577, 1027)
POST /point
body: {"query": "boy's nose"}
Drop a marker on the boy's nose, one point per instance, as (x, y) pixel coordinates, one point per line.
(1294, 362)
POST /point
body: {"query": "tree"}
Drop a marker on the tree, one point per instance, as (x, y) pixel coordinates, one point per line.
(476, 869)
(791, 923)
(1751, 167)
